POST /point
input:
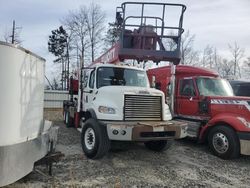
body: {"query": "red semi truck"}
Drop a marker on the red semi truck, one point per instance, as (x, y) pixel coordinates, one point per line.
(206, 101)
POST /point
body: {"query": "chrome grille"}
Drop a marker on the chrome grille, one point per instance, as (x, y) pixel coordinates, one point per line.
(142, 107)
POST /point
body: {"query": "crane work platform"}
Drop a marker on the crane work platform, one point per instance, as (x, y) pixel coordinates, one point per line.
(147, 32)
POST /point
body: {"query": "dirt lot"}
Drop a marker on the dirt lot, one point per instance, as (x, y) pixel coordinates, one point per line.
(185, 164)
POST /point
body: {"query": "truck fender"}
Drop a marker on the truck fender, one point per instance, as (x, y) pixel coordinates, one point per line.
(222, 119)
(90, 113)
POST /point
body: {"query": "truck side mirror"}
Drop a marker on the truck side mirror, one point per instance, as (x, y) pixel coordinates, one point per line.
(203, 105)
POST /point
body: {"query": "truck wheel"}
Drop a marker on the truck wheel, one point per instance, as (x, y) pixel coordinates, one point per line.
(68, 120)
(159, 145)
(94, 139)
(224, 142)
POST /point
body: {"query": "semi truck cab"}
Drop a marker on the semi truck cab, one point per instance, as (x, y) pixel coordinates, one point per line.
(206, 102)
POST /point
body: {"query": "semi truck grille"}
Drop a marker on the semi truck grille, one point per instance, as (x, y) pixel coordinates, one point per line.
(142, 107)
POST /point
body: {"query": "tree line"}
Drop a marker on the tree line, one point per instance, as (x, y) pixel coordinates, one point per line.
(235, 66)
(77, 41)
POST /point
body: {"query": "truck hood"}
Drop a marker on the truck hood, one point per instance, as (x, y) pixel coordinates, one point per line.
(113, 97)
(240, 106)
(130, 90)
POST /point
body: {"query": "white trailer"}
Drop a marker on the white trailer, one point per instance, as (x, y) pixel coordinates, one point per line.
(25, 137)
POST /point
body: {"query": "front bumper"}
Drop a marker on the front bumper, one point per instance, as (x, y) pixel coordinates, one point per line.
(145, 130)
(244, 138)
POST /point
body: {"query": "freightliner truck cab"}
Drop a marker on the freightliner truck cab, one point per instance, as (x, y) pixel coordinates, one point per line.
(206, 102)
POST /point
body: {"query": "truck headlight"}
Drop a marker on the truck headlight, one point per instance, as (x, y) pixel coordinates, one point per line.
(244, 121)
(106, 110)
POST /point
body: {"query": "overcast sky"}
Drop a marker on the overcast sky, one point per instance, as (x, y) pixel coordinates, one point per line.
(214, 22)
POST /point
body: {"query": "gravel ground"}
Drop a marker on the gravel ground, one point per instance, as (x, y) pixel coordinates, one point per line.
(185, 164)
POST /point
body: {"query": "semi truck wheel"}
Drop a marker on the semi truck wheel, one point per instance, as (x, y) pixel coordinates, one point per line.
(224, 142)
(94, 139)
(159, 145)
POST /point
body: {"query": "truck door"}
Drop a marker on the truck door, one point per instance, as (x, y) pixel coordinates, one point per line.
(187, 98)
(89, 90)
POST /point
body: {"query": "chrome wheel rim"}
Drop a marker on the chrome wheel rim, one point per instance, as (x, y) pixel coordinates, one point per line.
(89, 138)
(220, 143)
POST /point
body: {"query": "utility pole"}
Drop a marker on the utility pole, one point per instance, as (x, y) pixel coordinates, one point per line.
(67, 64)
(15, 36)
(13, 33)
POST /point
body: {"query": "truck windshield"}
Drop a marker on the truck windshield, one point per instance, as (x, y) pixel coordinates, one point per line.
(214, 87)
(107, 76)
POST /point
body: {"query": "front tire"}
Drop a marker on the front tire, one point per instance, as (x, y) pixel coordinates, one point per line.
(94, 139)
(224, 142)
(159, 145)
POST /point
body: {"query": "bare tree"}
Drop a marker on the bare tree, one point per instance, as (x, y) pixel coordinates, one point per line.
(85, 27)
(95, 18)
(226, 69)
(218, 61)
(75, 24)
(49, 86)
(208, 57)
(189, 55)
(55, 85)
(238, 53)
(246, 68)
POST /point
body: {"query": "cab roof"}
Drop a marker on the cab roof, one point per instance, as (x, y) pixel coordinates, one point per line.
(185, 71)
(97, 65)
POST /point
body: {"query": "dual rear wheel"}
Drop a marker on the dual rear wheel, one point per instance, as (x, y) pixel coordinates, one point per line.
(159, 145)
(68, 120)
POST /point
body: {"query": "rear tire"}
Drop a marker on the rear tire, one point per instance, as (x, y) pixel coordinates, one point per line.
(159, 145)
(224, 142)
(64, 116)
(94, 139)
(69, 121)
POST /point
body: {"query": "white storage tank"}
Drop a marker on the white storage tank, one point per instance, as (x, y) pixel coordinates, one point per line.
(24, 136)
(21, 95)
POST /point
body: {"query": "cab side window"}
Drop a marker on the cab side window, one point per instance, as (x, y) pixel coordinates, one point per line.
(85, 81)
(92, 80)
(187, 87)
